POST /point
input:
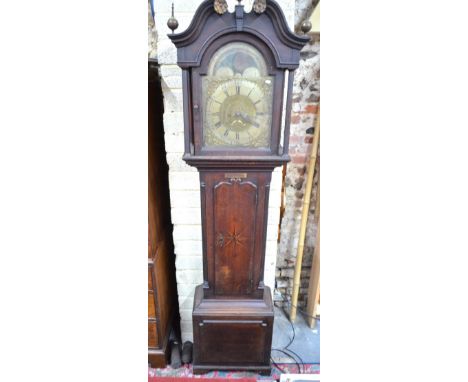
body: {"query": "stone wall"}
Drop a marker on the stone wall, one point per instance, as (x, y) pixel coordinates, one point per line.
(304, 109)
(183, 180)
(152, 34)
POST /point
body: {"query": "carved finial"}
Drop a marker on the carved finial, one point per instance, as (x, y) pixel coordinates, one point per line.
(259, 6)
(172, 23)
(220, 6)
(306, 26)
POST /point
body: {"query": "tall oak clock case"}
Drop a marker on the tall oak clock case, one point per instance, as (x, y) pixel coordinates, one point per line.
(237, 70)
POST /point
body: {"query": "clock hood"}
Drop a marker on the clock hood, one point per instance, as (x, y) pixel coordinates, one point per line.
(270, 27)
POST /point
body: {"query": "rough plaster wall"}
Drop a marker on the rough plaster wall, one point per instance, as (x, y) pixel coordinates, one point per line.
(303, 11)
(183, 179)
(152, 35)
(305, 101)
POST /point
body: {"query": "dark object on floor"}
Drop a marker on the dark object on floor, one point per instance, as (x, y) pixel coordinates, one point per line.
(175, 355)
(187, 352)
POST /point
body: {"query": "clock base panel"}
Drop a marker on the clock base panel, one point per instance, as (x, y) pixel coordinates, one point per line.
(232, 334)
(203, 369)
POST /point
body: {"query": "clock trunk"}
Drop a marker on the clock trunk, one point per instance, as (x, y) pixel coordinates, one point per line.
(234, 219)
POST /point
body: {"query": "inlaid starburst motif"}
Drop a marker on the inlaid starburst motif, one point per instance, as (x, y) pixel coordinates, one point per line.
(235, 238)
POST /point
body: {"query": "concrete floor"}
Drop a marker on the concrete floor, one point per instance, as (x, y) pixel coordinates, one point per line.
(306, 342)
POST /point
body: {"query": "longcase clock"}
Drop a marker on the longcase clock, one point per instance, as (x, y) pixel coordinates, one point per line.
(237, 69)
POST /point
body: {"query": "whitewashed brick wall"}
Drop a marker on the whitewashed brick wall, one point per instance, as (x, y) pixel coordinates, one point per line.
(183, 179)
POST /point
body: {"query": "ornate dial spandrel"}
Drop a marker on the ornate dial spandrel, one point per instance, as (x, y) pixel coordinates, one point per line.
(237, 99)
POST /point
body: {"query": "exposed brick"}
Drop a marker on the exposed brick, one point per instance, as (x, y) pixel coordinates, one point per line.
(297, 97)
(295, 118)
(301, 170)
(311, 109)
(287, 272)
(298, 158)
(295, 139)
(306, 94)
(299, 195)
(305, 271)
(281, 283)
(299, 182)
(302, 293)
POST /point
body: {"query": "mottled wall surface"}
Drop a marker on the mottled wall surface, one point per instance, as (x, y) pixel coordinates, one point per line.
(303, 10)
(152, 34)
(304, 111)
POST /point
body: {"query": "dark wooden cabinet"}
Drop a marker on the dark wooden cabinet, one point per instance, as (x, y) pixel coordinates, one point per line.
(236, 68)
(162, 292)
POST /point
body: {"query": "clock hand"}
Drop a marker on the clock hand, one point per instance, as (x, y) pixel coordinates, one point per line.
(247, 119)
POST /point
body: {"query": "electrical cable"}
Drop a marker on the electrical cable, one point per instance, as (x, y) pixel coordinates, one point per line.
(277, 366)
(293, 336)
(290, 343)
(288, 352)
(290, 356)
(300, 359)
(299, 309)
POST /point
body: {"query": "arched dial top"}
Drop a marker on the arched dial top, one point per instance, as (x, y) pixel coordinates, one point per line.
(237, 98)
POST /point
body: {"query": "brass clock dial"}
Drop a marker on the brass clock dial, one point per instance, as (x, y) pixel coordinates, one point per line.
(237, 99)
(237, 114)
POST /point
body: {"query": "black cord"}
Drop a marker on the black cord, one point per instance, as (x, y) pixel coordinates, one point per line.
(276, 365)
(290, 356)
(290, 343)
(300, 359)
(295, 306)
(293, 336)
(288, 353)
(286, 349)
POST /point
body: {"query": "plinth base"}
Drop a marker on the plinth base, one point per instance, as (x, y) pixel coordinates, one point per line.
(202, 369)
(232, 334)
